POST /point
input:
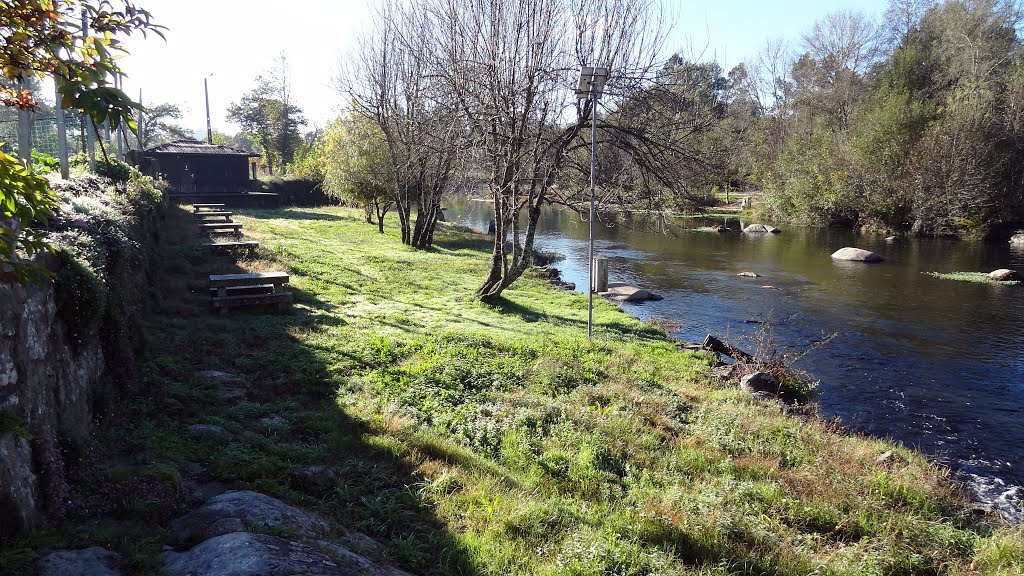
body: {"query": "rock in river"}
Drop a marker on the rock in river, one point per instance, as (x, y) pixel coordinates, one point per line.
(619, 292)
(1003, 275)
(856, 255)
(1017, 239)
(761, 229)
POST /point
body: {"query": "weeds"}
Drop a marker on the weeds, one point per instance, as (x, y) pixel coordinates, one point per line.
(977, 277)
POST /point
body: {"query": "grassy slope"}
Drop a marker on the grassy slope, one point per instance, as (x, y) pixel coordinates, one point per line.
(478, 439)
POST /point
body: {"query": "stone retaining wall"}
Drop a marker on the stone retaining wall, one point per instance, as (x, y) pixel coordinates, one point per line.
(46, 393)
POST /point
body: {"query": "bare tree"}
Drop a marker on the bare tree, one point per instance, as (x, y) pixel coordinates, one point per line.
(391, 82)
(512, 66)
(900, 17)
(489, 86)
(840, 49)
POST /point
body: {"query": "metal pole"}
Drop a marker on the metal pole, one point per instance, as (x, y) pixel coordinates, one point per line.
(209, 130)
(593, 174)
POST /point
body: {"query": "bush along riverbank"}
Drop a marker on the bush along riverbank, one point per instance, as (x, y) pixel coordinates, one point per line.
(453, 437)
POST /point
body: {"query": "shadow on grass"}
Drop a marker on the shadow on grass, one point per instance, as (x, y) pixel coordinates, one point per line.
(626, 327)
(289, 365)
(293, 214)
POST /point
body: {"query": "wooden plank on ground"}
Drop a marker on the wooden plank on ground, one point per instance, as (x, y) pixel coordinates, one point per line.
(210, 226)
(200, 207)
(223, 303)
(212, 213)
(253, 279)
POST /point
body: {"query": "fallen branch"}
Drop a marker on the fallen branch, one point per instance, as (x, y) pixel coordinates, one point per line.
(716, 345)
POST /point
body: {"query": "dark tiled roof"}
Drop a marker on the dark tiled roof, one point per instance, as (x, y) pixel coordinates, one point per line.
(196, 147)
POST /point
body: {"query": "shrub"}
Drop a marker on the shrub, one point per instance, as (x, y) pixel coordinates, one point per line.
(43, 162)
(81, 297)
(111, 168)
(296, 191)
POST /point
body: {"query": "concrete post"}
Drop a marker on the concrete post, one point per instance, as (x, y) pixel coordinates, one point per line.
(25, 137)
(600, 274)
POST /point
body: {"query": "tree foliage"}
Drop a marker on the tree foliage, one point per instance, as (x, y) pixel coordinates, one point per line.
(355, 165)
(75, 42)
(908, 125)
(157, 125)
(270, 117)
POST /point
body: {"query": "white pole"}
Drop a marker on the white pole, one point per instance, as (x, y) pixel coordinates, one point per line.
(593, 176)
(120, 128)
(62, 134)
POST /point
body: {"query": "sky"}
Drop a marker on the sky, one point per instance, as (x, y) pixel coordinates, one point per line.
(230, 43)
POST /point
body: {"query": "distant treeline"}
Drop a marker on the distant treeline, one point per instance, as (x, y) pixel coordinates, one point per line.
(912, 124)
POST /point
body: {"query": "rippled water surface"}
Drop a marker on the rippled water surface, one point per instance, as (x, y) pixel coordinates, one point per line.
(935, 364)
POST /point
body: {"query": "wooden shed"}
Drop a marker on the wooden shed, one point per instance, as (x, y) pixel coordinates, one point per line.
(191, 167)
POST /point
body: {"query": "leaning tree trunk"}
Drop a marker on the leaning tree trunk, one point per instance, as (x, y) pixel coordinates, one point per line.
(424, 230)
(503, 272)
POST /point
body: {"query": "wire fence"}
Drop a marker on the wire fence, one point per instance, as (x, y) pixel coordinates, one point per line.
(45, 136)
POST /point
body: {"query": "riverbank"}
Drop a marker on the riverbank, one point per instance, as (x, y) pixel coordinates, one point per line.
(468, 438)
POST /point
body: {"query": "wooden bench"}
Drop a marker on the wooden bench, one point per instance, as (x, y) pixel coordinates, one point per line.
(241, 245)
(205, 215)
(221, 228)
(234, 290)
(202, 207)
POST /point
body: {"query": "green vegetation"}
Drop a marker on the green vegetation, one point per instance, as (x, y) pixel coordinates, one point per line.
(891, 125)
(12, 423)
(47, 39)
(101, 229)
(495, 439)
(979, 277)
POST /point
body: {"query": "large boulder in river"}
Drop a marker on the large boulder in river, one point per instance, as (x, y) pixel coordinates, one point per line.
(761, 229)
(1004, 275)
(1017, 239)
(620, 292)
(856, 255)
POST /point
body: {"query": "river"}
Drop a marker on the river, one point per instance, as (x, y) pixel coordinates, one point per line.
(932, 363)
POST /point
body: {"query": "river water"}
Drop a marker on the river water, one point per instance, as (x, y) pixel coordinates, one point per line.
(932, 363)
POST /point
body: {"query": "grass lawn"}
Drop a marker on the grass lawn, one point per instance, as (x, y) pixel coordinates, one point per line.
(476, 439)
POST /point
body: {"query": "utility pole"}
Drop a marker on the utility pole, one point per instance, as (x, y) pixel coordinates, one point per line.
(209, 130)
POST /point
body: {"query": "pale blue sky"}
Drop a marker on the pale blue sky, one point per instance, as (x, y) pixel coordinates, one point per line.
(234, 41)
